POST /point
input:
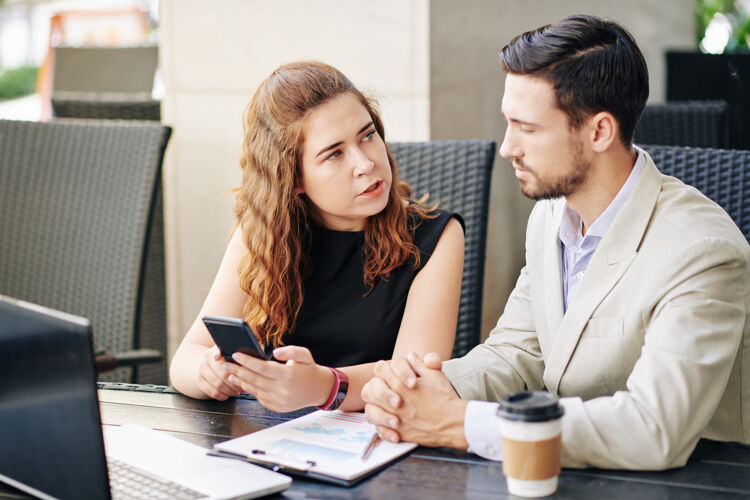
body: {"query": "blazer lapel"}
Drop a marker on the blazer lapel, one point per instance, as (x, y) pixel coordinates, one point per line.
(611, 259)
(553, 298)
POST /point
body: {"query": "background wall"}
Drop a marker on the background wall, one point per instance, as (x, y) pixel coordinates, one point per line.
(432, 64)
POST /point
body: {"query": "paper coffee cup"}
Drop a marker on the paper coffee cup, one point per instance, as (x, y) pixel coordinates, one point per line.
(530, 427)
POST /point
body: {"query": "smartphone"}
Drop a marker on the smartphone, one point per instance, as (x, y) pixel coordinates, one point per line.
(233, 335)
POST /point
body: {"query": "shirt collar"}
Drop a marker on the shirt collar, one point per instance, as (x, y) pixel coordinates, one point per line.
(571, 223)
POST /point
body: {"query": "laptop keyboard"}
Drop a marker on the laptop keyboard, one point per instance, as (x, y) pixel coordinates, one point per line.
(128, 482)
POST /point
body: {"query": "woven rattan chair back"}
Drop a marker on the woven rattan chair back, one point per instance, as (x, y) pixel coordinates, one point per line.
(109, 83)
(132, 106)
(107, 106)
(702, 124)
(105, 69)
(457, 175)
(723, 175)
(76, 202)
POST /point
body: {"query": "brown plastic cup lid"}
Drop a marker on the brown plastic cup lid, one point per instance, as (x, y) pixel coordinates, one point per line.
(530, 406)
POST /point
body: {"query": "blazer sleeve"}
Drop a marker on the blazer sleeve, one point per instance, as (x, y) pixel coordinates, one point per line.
(690, 345)
(510, 359)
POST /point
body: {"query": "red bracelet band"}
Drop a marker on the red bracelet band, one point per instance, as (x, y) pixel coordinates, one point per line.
(338, 393)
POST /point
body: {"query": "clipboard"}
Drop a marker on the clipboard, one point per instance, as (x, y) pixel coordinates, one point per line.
(325, 446)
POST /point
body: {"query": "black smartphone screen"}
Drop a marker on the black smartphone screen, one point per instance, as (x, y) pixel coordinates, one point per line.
(233, 335)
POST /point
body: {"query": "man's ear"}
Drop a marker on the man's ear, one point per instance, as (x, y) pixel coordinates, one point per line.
(604, 131)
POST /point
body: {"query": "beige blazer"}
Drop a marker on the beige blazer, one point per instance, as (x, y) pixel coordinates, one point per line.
(654, 350)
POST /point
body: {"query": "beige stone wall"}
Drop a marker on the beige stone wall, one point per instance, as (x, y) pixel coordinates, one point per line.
(431, 63)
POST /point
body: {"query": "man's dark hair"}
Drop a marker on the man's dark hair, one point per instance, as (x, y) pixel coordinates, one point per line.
(593, 64)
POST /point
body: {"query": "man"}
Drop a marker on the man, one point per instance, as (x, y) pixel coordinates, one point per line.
(633, 304)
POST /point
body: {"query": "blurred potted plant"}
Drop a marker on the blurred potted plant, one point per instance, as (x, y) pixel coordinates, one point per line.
(17, 82)
(720, 69)
(723, 26)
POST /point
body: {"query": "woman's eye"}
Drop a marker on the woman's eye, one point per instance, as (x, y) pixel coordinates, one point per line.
(334, 155)
(368, 135)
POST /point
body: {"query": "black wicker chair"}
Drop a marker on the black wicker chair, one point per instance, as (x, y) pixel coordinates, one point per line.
(111, 83)
(131, 106)
(76, 203)
(702, 124)
(457, 174)
(105, 106)
(128, 69)
(721, 174)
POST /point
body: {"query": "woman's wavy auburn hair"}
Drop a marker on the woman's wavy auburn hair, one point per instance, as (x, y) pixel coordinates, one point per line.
(275, 221)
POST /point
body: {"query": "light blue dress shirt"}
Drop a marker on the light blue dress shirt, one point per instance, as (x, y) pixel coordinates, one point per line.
(577, 249)
(481, 424)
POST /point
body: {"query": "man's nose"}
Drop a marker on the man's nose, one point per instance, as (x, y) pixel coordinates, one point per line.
(509, 148)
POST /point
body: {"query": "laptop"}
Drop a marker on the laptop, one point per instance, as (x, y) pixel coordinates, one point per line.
(51, 441)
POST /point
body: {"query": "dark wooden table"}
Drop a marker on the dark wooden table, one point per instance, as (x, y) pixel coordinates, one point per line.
(715, 471)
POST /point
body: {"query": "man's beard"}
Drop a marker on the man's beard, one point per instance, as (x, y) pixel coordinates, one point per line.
(565, 185)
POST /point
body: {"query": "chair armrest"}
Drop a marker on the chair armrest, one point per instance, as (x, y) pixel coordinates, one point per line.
(107, 361)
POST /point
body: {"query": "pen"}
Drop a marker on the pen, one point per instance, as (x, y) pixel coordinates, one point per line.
(374, 441)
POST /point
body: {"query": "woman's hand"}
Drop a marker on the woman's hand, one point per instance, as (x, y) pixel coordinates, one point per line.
(294, 382)
(212, 375)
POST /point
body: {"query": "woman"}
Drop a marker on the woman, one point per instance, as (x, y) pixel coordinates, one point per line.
(331, 263)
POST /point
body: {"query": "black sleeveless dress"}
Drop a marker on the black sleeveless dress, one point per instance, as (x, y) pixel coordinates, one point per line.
(339, 321)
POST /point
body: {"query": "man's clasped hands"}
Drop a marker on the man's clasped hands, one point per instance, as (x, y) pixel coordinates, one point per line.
(410, 399)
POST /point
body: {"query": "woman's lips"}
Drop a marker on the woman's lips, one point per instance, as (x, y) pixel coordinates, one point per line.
(373, 190)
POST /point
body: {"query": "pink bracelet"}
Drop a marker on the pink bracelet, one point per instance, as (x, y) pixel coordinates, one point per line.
(338, 393)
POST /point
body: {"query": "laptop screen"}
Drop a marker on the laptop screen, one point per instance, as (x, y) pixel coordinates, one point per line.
(50, 428)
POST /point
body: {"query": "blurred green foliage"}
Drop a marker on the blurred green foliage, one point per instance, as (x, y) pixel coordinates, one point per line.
(738, 13)
(17, 82)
